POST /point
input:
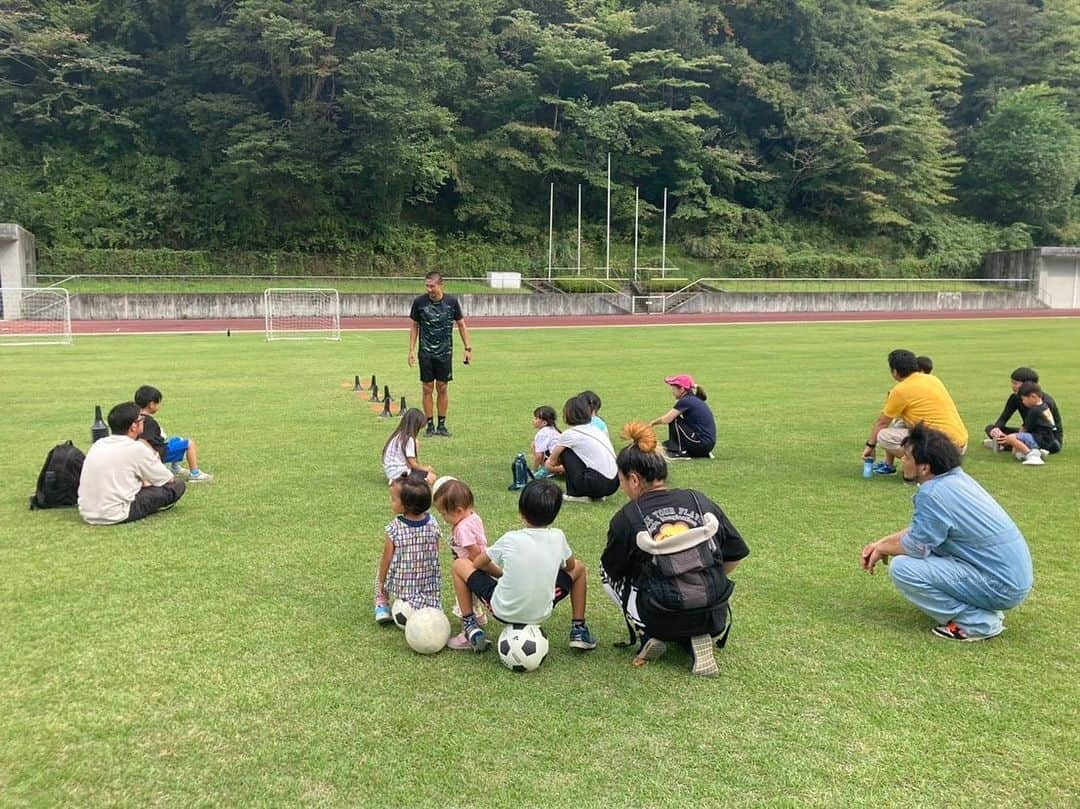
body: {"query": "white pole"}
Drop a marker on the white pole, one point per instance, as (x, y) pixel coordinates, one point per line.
(551, 226)
(635, 230)
(607, 257)
(663, 242)
(579, 228)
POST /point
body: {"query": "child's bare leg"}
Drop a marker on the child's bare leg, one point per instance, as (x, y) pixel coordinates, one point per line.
(462, 569)
(1015, 444)
(578, 591)
(192, 454)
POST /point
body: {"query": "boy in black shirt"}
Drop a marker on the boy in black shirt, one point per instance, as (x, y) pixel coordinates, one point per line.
(1039, 433)
(997, 431)
(171, 449)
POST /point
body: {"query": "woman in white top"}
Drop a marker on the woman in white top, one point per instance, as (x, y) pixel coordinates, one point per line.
(585, 453)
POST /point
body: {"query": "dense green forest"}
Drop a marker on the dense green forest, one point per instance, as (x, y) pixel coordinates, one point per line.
(918, 132)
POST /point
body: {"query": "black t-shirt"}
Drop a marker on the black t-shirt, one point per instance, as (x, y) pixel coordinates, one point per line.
(1014, 405)
(667, 511)
(697, 418)
(152, 435)
(436, 319)
(1039, 421)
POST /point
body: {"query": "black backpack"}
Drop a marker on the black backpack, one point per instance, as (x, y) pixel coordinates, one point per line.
(58, 483)
(683, 590)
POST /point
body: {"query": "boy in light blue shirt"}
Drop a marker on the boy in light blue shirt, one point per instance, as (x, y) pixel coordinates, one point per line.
(524, 574)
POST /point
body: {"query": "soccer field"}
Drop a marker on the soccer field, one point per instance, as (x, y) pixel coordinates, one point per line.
(225, 653)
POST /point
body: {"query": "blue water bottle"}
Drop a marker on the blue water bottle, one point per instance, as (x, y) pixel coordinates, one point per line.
(868, 468)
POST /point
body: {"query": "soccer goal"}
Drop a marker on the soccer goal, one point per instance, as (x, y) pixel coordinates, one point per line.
(35, 316)
(302, 314)
(649, 304)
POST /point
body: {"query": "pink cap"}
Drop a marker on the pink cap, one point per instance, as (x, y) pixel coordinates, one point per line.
(682, 380)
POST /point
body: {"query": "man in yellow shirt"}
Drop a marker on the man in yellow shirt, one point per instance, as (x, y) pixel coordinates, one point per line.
(915, 398)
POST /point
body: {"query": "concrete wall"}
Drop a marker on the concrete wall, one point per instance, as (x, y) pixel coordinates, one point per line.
(1011, 264)
(18, 266)
(1054, 272)
(245, 305)
(858, 301)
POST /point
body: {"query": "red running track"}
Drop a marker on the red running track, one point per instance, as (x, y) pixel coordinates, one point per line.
(516, 322)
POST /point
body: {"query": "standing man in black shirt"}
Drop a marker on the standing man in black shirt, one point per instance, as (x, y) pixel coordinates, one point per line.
(433, 317)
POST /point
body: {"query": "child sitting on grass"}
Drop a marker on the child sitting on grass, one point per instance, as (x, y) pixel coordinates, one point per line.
(547, 433)
(172, 449)
(409, 567)
(594, 410)
(455, 502)
(1040, 432)
(400, 449)
(525, 573)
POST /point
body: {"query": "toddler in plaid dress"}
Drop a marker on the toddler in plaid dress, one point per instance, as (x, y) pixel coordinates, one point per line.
(409, 567)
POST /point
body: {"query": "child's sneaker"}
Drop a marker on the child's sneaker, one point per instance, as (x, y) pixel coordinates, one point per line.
(382, 614)
(199, 476)
(882, 468)
(1033, 458)
(704, 659)
(542, 473)
(177, 470)
(573, 498)
(459, 643)
(477, 639)
(581, 637)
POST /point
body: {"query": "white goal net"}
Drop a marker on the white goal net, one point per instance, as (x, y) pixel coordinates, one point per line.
(302, 314)
(32, 316)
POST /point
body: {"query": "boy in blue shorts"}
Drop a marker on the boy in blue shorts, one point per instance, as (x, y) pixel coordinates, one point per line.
(172, 449)
(1040, 433)
(524, 574)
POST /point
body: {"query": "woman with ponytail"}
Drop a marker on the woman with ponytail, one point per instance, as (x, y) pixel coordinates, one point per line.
(633, 567)
(691, 426)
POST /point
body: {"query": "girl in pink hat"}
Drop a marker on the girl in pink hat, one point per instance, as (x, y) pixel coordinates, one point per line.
(691, 426)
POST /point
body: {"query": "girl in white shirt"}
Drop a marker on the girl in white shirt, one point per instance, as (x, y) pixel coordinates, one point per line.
(547, 434)
(399, 452)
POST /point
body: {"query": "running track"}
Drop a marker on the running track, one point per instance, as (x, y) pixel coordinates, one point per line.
(515, 322)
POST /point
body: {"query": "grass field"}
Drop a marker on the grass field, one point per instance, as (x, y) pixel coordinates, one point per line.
(225, 654)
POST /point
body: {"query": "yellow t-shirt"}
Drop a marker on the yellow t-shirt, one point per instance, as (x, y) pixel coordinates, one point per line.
(922, 397)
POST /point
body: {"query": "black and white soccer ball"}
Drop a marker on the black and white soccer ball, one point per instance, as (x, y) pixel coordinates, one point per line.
(401, 611)
(523, 648)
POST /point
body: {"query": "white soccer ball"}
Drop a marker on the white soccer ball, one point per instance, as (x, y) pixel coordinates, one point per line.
(401, 611)
(523, 648)
(427, 631)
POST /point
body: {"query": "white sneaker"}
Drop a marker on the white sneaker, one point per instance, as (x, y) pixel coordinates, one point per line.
(569, 498)
(200, 477)
(1033, 458)
(178, 471)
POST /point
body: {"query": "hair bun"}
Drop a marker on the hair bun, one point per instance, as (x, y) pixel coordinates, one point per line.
(643, 436)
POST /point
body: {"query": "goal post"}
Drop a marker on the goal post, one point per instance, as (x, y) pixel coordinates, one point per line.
(302, 313)
(35, 316)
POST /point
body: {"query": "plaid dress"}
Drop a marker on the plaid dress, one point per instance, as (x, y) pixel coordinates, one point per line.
(414, 568)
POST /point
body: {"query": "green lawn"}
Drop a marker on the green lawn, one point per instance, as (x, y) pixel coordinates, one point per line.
(225, 653)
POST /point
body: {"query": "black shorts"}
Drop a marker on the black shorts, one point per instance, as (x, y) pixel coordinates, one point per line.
(482, 585)
(436, 368)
